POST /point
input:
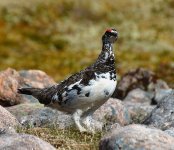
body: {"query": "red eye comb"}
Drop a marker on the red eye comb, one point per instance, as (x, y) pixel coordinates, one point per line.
(108, 30)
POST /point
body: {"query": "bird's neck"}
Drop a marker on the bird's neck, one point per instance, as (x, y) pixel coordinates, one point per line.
(106, 59)
(107, 53)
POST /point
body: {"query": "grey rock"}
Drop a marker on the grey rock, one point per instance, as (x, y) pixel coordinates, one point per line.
(159, 84)
(137, 78)
(24, 109)
(7, 130)
(29, 98)
(160, 94)
(23, 142)
(139, 96)
(170, 131)
(162, 116)
(47, 117)
(160, 90)
(138, 111)
(113, 111)
(114, 126)
(7, 121)
(137, 137)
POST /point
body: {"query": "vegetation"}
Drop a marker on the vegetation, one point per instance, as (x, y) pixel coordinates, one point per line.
(65, 139)
(62, 37)
(52, 36)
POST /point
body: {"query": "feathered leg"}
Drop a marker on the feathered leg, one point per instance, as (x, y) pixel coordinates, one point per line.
(77, 116)
(88, 120)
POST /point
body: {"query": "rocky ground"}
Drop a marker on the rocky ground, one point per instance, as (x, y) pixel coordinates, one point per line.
(138, 116)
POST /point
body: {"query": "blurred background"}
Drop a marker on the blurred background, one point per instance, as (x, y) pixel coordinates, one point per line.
(62, 37)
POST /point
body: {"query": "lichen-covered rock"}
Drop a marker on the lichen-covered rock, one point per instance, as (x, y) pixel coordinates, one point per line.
(162, 116)
(11, 80)
(160, 94)
(8, 130)
(113, 111)
(170, 131)
(47, 117)
(136, 137)
(24, 109)
(7, 120)
(160, 90)
(138, 78)
(138, 111)
(139, 96)
(23, 142)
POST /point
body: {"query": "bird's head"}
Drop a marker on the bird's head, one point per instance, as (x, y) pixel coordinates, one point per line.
(110, 36)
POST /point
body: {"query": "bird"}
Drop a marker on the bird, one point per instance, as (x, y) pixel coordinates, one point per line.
(84, 92)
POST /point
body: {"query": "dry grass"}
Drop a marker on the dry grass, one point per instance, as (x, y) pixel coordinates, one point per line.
(68, 139)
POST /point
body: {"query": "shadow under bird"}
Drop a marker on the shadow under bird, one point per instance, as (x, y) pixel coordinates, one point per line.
(84, 92)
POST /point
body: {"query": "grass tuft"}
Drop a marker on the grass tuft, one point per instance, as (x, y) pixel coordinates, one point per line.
(65, 139)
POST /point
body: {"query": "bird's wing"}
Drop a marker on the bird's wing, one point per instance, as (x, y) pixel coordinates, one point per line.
(60, 91)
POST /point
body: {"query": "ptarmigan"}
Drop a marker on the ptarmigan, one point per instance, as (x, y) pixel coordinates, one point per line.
(84, 92)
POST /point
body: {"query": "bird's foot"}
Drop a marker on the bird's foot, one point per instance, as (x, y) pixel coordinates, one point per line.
(82, 129)
(87, 121)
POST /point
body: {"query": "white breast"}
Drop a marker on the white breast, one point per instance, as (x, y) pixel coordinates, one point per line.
(94, 94)
(101, 88)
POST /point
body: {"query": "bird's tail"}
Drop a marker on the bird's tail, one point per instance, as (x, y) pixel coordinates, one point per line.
(38, 93)
(28, 91)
